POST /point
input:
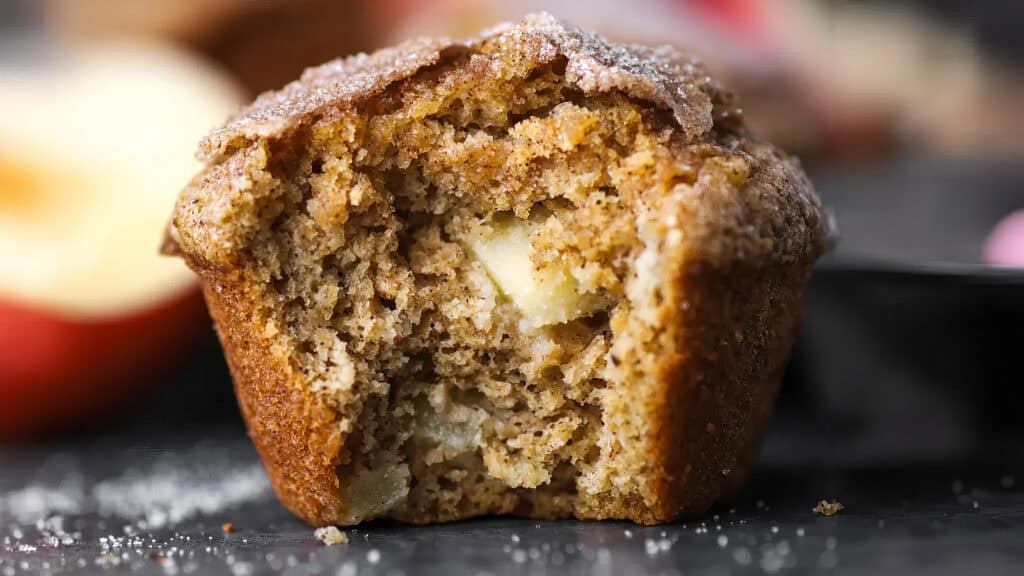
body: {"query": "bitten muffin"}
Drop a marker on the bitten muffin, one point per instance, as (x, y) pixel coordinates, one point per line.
(533, 273)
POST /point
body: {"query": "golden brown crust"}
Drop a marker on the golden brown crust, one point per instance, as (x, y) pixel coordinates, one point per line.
(734, 340)
(730, 308)
(295, 433)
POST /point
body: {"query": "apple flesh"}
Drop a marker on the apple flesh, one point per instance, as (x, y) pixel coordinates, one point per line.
(544, 295)
(92, 154)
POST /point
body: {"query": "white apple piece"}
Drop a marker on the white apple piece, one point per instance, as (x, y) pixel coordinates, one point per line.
(544, 295)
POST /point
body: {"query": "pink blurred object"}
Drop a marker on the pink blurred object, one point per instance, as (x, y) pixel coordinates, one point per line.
(1005, 245)
(746, 21)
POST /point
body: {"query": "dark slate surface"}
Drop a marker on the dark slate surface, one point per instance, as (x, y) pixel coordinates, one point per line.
(907, 425)
(144, 507)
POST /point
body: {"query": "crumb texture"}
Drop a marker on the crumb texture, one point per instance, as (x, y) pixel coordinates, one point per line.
(533, 273)
(330, 535)
(827, 508)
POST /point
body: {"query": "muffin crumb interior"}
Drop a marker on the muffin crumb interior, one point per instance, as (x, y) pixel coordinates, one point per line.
(456, 393)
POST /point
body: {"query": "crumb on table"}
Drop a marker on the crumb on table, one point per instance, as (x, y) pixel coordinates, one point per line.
(330, 535)
(826, 508)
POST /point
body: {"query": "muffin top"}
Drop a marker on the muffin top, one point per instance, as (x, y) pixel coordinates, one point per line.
(661, 75)
(755, 205)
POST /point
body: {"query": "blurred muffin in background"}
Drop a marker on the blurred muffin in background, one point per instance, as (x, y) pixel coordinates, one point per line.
(867, 81)
(265, 43)
(883, 67)
(95, 143)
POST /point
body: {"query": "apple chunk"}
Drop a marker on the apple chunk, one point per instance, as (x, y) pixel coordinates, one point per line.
(93, 150)
(544, 295)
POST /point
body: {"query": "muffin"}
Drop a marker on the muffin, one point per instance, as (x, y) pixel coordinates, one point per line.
(533, 273)
(263, 43)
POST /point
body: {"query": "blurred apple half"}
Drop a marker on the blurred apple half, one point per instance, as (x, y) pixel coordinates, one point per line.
(93, 150)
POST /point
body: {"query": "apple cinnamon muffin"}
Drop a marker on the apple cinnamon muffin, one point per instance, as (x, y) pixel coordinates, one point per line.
(533, 273)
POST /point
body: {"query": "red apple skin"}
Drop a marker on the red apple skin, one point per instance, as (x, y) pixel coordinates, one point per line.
(57, 372)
